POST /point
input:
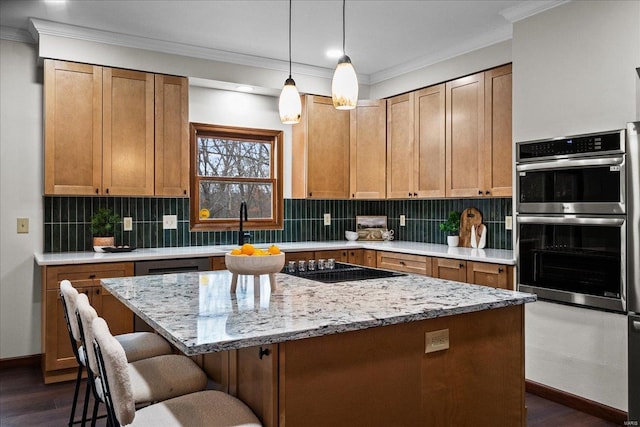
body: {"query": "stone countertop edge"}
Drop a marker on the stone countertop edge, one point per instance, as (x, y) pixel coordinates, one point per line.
(197, 313)
(494, 256)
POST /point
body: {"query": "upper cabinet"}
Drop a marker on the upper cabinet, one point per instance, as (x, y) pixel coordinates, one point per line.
(114, 132)
(368, 150)
(400, 146)
(320, 166)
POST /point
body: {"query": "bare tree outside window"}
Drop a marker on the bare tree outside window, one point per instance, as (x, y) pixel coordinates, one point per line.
(232, 165)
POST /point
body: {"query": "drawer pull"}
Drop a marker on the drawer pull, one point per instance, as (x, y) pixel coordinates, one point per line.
(92, 276)
(402, 263)
(263, 352)
(97, 291)
(500, 269)
(461, 265)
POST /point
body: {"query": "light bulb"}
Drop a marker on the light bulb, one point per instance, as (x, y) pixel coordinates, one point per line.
(344, 87)
(290, 106)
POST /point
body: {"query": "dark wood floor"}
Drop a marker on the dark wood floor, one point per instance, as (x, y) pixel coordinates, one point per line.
(26, 401)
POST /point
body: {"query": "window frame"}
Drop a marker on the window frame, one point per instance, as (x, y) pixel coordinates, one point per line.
(272, 136)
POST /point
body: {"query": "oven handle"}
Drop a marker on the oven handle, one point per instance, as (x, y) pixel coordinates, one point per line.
(570, 220)
(572, 163)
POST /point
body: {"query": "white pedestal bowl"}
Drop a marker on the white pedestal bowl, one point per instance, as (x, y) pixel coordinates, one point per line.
(254, 266)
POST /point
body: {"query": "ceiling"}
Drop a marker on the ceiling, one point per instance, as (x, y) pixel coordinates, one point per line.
(383, 38)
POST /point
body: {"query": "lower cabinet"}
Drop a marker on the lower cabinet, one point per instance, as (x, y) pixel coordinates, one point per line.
(418, 264)
(478, 273)
(449, 269)
(58, 361)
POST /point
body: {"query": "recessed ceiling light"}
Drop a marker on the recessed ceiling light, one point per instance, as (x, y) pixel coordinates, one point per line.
(334, 53)
(244, 89)
(55, 1)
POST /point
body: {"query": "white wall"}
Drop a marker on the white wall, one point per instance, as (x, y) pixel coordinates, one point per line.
(20, 191)
(574, 72)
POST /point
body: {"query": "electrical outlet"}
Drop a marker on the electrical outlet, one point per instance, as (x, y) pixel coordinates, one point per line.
(508, 223)
(23, 225)
(403, 220)
(127, 223)
(169, 222)
(436, 341)
(327, 219)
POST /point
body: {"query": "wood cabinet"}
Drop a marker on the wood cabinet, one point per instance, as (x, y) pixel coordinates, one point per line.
(341, 255)
(417, 264)
(218, 263)
(299, 256)
(114, 132)
(369, 258)
(478, 273)
(465, 136)
(321, 159)
(400, 146)
(368, 150)
(478, 134)
(58, 361)
(171, 136)
(498, 145)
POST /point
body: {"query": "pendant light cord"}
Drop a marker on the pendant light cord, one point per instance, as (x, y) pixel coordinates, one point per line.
(344, 3)
(290, 38)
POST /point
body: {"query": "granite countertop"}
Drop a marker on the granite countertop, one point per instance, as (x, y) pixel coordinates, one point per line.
(496, 256)
(198, 314)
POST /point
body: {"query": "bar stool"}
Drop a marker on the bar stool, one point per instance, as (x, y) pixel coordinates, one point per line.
(137, 345)
(153, 379)
(205, 408)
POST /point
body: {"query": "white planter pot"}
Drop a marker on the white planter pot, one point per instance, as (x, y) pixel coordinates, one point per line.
(453, 240)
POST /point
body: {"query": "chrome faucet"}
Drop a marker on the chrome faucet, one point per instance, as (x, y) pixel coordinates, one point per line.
(242, 236)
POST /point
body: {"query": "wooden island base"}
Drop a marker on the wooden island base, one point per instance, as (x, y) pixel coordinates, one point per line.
(382, 376)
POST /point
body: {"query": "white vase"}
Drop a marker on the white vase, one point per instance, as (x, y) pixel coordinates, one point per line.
(453, 240)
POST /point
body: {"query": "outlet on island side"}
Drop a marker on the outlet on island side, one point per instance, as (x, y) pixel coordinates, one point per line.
(436, 340)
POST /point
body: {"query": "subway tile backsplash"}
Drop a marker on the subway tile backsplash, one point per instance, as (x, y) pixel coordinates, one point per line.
(66, 221)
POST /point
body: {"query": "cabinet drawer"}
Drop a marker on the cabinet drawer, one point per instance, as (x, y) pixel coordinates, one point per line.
(338, 255)
(296, 256)
(218, 263)
(417, 264)
(450, 269)
(494, 275)
(86, 274)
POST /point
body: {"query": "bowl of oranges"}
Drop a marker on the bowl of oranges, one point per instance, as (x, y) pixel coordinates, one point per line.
(253, 261)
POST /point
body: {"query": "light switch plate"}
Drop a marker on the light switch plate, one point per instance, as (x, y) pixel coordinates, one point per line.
(508, 223)
(127, 223)
(23, 225)
(403, 220)
(327, 219)
(169, 222)
(436, 341)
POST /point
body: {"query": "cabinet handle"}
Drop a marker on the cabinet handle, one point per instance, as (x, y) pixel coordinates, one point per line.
(107, 191)
(487, 192)
(263, 352)
(409, 194)
(92, 276)
(461, 265)
(97, 191)
(353, 196)
(415, 194)
(98, 291)
(402, 263)
(500, 269)
(185, 192)
(310, 194)
(480, 192)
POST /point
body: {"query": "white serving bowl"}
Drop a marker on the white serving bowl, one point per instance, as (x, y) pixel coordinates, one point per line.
(351, 235)
(254, 265)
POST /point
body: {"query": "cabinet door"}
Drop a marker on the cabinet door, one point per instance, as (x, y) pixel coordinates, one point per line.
(297, 256)
(369, 258)
(254, 380)
(218, 263)
(400, 147)
(73, 128)
(450, 269)
(417, 264)
(327, 150)
(429, 162)
(57, 345)
(171, 136)
(355, 256)
(368, 150)
(498, 142)
(127, 134)
(117, 315)
(338, 255)
(494, 275)
(465, 136)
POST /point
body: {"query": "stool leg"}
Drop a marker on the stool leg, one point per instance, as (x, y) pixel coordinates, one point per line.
(85, 407)
(75, 396)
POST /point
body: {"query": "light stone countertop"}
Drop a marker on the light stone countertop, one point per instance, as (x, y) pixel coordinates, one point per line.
(198, 314)
(495, 256)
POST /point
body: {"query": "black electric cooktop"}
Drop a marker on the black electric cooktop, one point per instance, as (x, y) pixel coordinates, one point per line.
(344, 273)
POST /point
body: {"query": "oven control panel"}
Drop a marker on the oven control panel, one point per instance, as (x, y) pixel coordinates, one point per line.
(581, 145)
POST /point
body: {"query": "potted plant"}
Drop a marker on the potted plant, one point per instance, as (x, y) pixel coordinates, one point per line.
(103, 228)
(451, 227)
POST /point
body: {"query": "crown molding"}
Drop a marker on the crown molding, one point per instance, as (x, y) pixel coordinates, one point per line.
(529, 8)
(467, 46)
(15, 34)
(50, 28)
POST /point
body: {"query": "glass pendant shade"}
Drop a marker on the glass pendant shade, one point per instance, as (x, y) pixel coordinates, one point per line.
(344, 87)
(290, 106)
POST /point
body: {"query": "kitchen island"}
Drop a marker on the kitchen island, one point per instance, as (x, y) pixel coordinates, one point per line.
(351, 353)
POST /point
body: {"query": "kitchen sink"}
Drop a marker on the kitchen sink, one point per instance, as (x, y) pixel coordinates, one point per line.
(344, 273)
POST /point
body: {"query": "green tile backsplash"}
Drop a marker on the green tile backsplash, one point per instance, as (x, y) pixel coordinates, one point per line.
(66, 221)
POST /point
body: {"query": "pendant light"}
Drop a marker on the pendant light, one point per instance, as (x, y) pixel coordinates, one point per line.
(344, 87)
(289, 105)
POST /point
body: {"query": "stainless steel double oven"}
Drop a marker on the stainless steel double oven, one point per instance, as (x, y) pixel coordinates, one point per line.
(571, 213)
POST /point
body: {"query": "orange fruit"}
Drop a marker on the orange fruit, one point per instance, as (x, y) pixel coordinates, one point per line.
(236, 251)
(247, 249)
(274, 250)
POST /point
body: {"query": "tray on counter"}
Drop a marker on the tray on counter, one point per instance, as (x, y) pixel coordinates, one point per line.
(114, 249)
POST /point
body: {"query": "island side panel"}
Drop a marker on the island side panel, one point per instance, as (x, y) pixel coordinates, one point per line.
(382, 376)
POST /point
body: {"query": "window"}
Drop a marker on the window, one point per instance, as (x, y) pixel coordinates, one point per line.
(231, 165)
